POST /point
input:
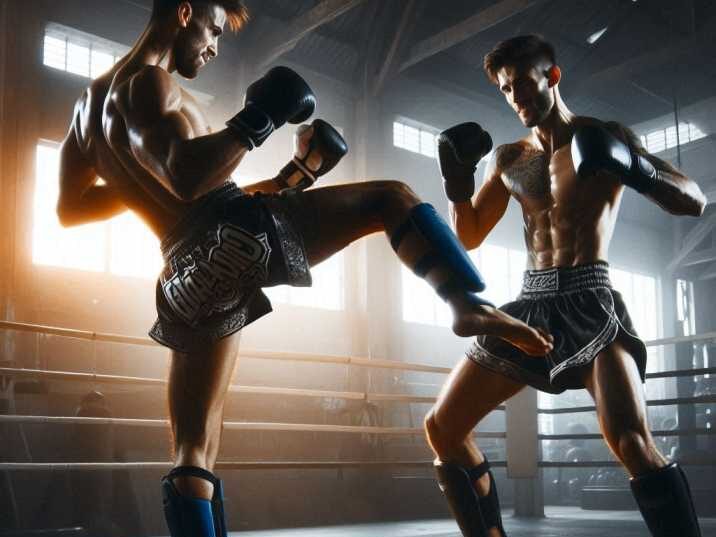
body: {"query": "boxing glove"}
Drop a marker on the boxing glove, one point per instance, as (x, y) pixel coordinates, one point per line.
(595, 149)
(460, 148)
(281, 95)
(327, 142)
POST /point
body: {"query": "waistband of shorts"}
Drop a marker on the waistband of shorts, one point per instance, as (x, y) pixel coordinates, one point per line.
(566, 279)
(200, 209)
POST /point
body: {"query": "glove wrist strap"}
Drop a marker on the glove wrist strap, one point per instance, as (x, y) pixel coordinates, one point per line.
(252, 125)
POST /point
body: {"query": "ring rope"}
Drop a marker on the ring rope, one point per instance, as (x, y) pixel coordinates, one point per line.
(292, 356)
(228, 425)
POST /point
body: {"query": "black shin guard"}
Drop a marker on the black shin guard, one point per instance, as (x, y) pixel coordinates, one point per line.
(489, 504)
(664, 500)
(474, 514)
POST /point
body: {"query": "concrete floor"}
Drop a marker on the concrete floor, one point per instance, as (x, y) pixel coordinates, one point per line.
(560, 522)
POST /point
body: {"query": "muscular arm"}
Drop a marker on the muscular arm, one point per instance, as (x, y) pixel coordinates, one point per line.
(162, 139)
(81, 199)
(674, 192)
(473, 220)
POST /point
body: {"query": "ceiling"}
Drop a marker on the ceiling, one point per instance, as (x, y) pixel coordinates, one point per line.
(651, 52)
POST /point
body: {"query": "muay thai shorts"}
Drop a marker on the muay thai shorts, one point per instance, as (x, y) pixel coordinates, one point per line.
(219, 256)
(579, 307)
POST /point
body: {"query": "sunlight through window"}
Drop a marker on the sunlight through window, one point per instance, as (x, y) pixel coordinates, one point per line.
(123, 246)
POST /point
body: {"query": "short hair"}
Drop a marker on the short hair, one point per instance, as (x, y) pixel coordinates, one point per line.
(237, 14)
(515, 51)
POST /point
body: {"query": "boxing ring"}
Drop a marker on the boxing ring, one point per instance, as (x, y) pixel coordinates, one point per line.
(9, 375)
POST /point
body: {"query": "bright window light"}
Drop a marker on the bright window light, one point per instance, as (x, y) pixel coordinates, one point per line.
(134, 250)
(123, 246)
(419, 140)
(427, 144)
(81, 247)
(78, 59)
(640, 294)
(101, 62)
(55, 52)
(663, 139)
(80, 53)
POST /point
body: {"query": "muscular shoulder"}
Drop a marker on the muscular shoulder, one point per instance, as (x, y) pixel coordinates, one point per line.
(152, 92)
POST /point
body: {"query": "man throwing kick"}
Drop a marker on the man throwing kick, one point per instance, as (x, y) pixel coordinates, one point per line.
(148, 139)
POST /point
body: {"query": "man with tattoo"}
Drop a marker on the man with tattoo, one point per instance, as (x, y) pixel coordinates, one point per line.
(150, 142)
(568, 174)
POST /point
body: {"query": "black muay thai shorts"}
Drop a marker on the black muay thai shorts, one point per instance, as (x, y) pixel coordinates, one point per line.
(217, 259)
(578, 306)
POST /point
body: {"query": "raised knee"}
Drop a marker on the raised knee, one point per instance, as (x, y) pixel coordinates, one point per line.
(397, 193)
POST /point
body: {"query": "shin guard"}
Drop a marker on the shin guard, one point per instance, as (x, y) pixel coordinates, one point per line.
(443, 251)
(664, 499)
(474, 514)
(193, 517)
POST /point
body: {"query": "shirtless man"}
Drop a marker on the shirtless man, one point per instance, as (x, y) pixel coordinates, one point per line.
(568, 175)
(149, 141)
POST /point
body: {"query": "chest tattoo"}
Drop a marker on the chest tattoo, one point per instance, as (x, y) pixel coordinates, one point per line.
(529, 176)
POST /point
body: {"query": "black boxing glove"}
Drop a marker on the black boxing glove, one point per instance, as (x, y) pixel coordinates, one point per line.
(281, 95)
(325, 140)
(595, 149)
(460, 148)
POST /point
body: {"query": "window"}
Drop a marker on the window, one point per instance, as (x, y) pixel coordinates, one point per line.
(685, 307)
(663, 139)
(79, 53)
(87, 55)
(414, 139)
(123, 246)
(419, 139)
(640, 294)
(501, 267)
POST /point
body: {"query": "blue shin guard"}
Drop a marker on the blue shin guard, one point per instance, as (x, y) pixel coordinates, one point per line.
(664, 499)
(193, 517)
(444, 251)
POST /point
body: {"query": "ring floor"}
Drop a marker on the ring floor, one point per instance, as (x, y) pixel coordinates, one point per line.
(559, 522)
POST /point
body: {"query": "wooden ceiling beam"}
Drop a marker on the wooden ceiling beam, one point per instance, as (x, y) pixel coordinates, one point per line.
(470, 27)
(389, 66)
(283, 40)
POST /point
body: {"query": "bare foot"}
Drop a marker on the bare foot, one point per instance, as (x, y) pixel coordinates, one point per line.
(486, 320)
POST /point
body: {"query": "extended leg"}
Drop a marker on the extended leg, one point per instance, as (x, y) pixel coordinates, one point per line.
(470, 393)
(661, 490)
(422, 240)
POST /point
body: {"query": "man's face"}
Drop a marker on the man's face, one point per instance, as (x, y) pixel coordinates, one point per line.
(526, 89)
(198, 42)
